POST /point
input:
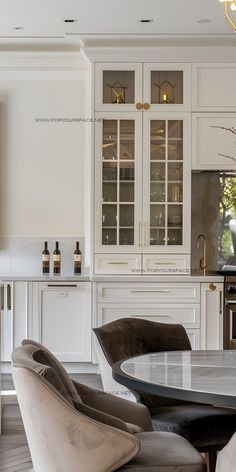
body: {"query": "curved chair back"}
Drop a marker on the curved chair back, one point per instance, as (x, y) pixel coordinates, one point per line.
(129, 337)
(60, 437)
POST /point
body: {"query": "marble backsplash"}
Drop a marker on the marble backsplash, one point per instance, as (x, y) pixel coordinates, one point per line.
(22, 256)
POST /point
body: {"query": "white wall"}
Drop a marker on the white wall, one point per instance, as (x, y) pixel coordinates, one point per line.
(42, 164)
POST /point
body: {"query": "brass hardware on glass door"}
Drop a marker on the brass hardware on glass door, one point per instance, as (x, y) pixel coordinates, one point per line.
(139, 106)
(142, 106)
(212, 286)
(146, 106)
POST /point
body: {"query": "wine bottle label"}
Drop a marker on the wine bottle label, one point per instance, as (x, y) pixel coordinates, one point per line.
(77, 257)
(57, 258)
(45, 258)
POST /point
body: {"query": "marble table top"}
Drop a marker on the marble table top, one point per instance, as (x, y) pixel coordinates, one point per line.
(204, 376)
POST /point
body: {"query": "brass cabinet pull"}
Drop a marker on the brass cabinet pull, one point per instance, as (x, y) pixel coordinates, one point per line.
(139, 106)
(8, 297)
(2, 297)
(118, 263)
(62, 285)
(146, 106)
(212, 286)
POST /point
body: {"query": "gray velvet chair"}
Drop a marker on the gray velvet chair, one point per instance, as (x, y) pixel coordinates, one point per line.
(71, 427)
(208, 428)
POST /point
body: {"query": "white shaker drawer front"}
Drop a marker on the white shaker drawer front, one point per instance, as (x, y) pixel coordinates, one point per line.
(188, 315)
(117, 264)
(149, 292)
(166, 265)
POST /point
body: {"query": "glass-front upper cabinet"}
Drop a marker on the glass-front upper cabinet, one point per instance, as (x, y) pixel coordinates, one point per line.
(166, 183)
(167, 86)
(118, 86)
(118, 196)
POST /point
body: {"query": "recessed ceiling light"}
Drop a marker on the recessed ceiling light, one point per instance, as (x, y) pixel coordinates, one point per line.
(204, 20)
(18, 27)
(146, 20)
(70, 20)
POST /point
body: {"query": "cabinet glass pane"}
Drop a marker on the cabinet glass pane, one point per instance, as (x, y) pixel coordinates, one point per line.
(157, 171)
(127, 142)
(157, 216)
(126, 192)
(109, 193)
(175, 140)
(158, 138)
(109, 141)
(166, 87)
(118, 86)
(166, 183)
(118, 184)
(109, 171)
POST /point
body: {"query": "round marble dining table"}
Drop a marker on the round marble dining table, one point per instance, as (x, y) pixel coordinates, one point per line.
(200, 376)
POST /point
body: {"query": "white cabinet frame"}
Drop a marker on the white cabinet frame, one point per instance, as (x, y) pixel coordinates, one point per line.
(186, 68)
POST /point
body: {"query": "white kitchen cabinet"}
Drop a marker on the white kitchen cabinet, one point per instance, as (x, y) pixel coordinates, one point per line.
(142, 201)
(142, 167)
(212, 316)
(211, 89)
(160, 302)
(14, 316)
(61, 319)
(213, 141)
(137, 86)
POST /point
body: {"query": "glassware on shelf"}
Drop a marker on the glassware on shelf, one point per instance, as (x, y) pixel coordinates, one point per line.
(157, 215)
(126, 191)
(175, 172)
(127, 171)
(126, 215)
(157, 192)
(157, 237)
(109, 192)
(174, 237)
(109, 236)
(157, 171)
(126, 236)
(109, 215)
(175, 215)
(175, 192)
(157, 139)
(109, 171)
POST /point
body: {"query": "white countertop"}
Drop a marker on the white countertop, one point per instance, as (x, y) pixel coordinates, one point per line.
(158, 278)
(45, 278)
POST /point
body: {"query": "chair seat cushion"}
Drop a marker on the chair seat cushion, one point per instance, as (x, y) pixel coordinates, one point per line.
(165, 452)
(203, 426)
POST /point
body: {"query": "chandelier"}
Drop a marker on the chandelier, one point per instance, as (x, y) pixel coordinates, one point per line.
(232, 5)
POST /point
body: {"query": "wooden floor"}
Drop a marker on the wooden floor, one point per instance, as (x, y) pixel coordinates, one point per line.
(14, 451)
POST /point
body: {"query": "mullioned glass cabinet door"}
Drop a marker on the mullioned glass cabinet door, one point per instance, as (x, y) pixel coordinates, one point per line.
(166, 184)
(118, 86)
(118, 196)
(167, 87)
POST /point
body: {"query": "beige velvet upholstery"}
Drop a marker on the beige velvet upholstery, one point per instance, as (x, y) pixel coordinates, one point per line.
(62, 439)
(91, 435)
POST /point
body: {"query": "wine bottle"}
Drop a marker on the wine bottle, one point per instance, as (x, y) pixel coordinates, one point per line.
(77, 259)
(56, 260)
(45, 259)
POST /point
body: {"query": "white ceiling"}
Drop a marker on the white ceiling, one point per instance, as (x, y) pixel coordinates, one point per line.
(109, 22)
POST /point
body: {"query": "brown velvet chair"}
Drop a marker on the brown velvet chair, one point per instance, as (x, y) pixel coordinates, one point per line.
(208, 428)
(71, 427)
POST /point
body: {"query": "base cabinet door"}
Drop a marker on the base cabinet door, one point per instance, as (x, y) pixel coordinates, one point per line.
(188, 315)
(6, 321)
(61, 319)
(212, 316)
(14, 316)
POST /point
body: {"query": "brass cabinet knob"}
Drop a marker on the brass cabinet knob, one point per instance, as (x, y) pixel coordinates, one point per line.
(212, 286)
(146, 106)
(139, 106)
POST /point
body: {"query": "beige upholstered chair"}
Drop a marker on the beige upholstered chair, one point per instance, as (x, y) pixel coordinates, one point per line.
(226, 459)
(71, 427)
